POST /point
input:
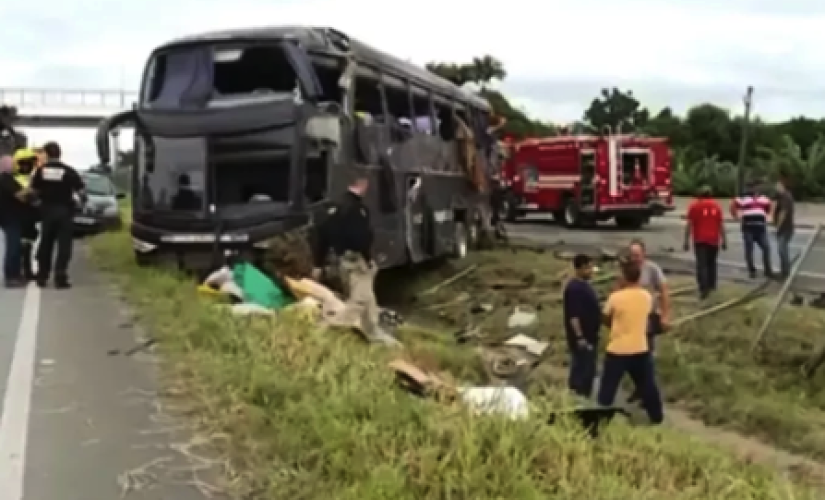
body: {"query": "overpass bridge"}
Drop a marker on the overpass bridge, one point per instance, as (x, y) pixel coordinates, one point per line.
(65, 108)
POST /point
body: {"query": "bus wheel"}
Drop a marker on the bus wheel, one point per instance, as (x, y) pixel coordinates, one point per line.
(461, 245)
(570, 213)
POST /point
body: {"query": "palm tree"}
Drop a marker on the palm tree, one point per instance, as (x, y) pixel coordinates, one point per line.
(487, 68)
(805, 173)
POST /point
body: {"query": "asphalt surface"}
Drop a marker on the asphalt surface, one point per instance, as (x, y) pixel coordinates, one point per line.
(78, 420)
(664, 238)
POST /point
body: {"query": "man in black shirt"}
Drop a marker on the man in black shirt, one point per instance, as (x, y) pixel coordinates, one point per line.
(12, 209)
(56, 185)
(783, 219)
(582, 321)
(347, 226)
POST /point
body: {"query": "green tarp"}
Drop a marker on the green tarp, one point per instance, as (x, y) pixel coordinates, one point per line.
(258, 288)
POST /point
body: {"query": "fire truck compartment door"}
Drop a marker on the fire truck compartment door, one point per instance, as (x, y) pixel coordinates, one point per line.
(613, 166)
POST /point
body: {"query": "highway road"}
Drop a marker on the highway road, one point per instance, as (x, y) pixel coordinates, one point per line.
(78, 422)
(664, 238)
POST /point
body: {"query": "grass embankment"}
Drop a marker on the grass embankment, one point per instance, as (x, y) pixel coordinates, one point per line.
(705, 366)
(313, 414)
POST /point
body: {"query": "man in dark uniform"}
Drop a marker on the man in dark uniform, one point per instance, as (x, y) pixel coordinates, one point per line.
(347, 226)
(347, 232)
(60, 189)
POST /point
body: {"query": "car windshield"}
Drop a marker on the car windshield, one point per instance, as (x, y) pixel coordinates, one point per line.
(97, 185)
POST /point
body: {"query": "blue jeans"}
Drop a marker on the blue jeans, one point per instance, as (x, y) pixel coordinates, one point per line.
(783, 247)
(14, 247)
(642, 373)
(582, 369)
(757, 236)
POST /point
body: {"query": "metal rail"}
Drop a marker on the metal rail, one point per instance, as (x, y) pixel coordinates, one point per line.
(57, 100)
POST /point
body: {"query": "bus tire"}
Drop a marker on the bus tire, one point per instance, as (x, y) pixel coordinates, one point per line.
(461, 244)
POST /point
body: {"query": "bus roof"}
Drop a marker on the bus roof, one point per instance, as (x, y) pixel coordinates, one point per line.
(324, 39)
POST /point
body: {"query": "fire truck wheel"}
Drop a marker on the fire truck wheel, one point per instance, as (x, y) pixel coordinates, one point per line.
(461, 245)
(508, 210)
(570, 215)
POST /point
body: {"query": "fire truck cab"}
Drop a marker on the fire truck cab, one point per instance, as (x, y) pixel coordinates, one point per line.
(582, 180)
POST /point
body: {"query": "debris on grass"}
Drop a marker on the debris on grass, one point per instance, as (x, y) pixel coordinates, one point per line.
(312, 415)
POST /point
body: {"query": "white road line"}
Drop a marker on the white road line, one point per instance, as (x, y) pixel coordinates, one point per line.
(14, 423)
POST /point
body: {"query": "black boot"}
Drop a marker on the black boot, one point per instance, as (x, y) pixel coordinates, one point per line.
(28, 271)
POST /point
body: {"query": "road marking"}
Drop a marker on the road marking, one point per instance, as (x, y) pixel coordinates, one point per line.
(14, 422)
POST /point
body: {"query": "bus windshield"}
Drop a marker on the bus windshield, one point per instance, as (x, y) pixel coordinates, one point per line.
(215, 74)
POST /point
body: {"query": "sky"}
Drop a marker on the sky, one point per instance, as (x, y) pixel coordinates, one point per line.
(558, 53)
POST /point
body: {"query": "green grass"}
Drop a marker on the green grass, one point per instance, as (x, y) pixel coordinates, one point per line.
(313, 414)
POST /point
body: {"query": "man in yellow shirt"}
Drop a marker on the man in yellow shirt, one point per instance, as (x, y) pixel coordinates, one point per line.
(626, 313)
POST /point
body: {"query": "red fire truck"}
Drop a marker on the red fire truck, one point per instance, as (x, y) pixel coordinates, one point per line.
(582, 180)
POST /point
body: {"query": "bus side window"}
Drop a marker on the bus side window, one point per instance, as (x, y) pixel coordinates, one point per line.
(399, 117)
(423, 112)
(368, 111)
(446, 123)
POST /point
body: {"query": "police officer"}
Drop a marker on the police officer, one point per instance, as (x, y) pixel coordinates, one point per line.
(347, 226)
(347, 233)
(59, 188)
(25, 161)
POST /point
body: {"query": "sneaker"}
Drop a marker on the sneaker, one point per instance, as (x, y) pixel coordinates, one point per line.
(752, 274)
(15, 283)
(42, 283)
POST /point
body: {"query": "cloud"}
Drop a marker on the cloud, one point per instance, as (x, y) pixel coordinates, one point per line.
(558, 53)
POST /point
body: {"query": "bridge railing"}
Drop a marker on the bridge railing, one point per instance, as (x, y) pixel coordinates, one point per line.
(27, 99)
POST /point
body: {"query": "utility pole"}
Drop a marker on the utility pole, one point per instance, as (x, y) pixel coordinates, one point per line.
(743, 145)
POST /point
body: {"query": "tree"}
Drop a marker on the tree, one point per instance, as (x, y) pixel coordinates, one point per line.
(486, 69)
(618, 110)
(482, 71)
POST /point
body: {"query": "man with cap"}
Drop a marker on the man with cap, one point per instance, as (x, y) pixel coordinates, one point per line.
(705, 230)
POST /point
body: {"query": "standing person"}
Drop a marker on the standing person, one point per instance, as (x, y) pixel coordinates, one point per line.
(652, 279)
(783, 219)
(705, 227)
(12, 208)
(626, 313)
(752, 209)
(582, 321)
(56, 185)
(25, 163)
(347, 233)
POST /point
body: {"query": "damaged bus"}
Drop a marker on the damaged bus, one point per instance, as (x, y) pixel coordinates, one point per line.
(244, 135)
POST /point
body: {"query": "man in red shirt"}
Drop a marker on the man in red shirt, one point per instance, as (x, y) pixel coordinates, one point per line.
(706, 228)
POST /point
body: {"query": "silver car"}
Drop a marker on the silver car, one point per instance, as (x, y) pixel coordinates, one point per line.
(102, 210)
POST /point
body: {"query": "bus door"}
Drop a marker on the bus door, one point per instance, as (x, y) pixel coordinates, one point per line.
(587, 178)
(415, 217)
